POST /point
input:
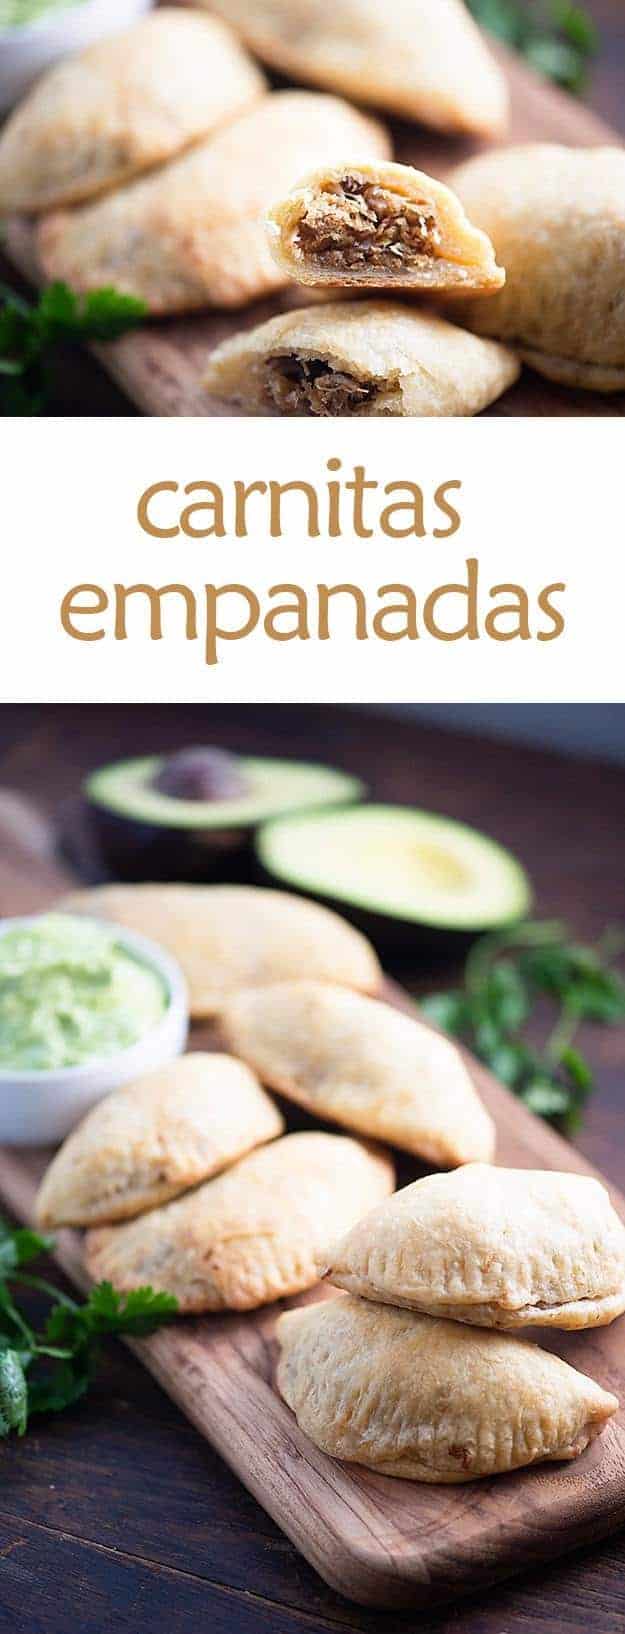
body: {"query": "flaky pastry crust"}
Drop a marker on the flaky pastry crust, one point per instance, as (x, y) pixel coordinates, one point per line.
(230, 936)
(146, 1143)
(430, 1400)
(130, 102)
(359, 358)
(363, 1064)
(253, 1234)
(556, 217)
(499, 1248)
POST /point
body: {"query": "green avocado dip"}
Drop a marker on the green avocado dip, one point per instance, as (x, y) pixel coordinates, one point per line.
(71, 992)
(17, 13)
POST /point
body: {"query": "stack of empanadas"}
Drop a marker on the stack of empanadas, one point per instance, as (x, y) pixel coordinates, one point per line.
(187, 1181)
(153, 158)
(401, 1374)
(377, 229)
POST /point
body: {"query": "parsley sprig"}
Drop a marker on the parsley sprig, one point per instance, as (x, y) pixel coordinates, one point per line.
(30, 333)
(46, 1371)
(558, 37)
(507, 976)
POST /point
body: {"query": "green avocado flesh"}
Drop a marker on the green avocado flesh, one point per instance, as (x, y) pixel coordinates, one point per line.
(274, 786)
(395, 860)
(16, 13)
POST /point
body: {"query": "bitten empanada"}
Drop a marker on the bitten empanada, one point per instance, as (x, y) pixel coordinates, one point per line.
(556, 217)
(363, 1064)
(153, 1139)
(422, 59)
(193, 233)
(129, 102)
(501, 1248)
(380, 226)
(359, 358)
(252, 1235)
(430, 1400)
(230, 936)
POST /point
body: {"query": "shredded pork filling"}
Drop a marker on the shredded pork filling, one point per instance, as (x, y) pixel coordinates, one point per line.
(299, 385)
(356, 223)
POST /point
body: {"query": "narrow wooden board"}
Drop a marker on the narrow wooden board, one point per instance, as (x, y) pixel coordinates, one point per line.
(379, 1541)
(161, 365)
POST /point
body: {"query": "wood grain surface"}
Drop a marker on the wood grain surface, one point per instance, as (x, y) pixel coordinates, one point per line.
(378, 1541)
(160, 366)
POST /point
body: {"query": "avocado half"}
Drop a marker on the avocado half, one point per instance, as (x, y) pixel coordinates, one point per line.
(192, 815)
(408, 878)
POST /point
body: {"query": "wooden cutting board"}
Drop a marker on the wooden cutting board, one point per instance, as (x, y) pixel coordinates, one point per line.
(160, 366)
(379, 1541)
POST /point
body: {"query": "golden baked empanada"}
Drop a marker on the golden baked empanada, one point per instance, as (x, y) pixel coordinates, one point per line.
(363, 1064)
(359, 358)
(556, 217)
(230, 936)
(501, 1248)
(380, 226)
(129, 102)
(253, 1234)
(423, 59)
(145, 1143)
(430, 1400)
(193, 234)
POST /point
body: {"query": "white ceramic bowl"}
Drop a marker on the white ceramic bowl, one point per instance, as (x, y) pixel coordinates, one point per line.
(38, 1108)
(27, 50)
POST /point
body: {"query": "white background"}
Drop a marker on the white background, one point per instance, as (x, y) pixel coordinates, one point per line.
(542, 501)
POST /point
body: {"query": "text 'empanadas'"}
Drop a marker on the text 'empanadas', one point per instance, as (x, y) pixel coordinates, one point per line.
(252, 1235)
(133, 100)
(501, 1248)
(230, 936)
(148, 1142)
(430, 1400)
(363, 1064)
(193, 234)
(556, 217)
(359, 358)
(422, 59)
(380, 226)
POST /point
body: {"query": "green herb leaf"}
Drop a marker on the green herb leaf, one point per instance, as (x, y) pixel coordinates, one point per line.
(506, 975)
(13, 1393)
(46, 1372)
(557, 37)
(30, 332)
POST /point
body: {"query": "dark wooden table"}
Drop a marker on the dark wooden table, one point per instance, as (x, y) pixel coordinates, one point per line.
(82, 387)
(117, 1517)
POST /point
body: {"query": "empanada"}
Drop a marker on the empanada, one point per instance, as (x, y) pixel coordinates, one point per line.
(193, 234)
(501, 1248)
(121, 106)
(148, 1142)
(556, 217)
(422, 59)
(430, 1400)
(359, 358)
(363, 1064)
(252, 1235)
(230, 936)
(380, 226)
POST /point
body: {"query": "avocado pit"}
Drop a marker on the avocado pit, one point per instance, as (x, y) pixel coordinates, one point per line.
(201, 774)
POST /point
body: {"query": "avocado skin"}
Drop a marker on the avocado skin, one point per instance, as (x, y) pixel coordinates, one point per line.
(132, 851)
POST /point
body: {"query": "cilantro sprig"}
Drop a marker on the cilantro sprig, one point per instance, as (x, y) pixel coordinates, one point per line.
(31, 332)
(507, 977)
(46, 1371)
(558, 37)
